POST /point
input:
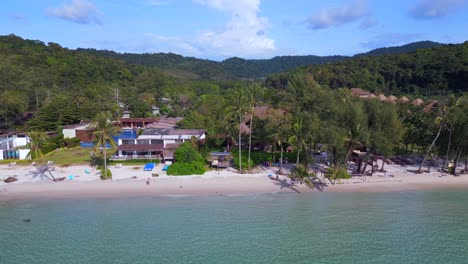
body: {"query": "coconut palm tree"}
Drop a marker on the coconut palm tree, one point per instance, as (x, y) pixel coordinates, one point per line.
(36, 142)
(297, 137)
(237, 106)
(254, 93)
(103, 135)
(441, 120)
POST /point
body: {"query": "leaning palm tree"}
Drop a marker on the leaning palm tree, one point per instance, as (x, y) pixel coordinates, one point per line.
(441, 120)
(36, 141)
(297, 138)
(355, 135)
(254, 94)
(236, 109)
(103, 135)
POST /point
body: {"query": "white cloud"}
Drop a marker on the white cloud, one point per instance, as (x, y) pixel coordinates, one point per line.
(432, 9)
(78, 11)
(336, 16)
(244, 35)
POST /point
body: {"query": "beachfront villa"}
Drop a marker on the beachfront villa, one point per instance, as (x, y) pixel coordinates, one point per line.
(156, 143)
(12, 146)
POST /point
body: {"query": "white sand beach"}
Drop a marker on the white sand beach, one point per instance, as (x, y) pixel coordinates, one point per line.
(132, 181)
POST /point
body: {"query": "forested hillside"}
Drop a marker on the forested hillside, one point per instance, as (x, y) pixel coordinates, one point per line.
(401, 49)
(433, 71)
(58, 86)
(238, 68)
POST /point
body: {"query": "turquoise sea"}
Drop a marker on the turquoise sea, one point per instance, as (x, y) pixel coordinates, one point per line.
(398, 227)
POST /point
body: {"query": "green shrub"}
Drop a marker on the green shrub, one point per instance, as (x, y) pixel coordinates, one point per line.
(186, 168)
(106, 176)
(337, 173)
(71, 142)
(187, 153)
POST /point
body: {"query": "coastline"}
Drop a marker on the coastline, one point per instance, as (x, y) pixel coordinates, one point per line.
(211, 183)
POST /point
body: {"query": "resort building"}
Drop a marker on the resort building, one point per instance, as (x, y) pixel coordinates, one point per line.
(136, 122)
(12, 146)
(81, 131)
(156, 143)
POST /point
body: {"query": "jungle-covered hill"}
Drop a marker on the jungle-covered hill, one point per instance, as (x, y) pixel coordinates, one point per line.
(43, 86)
(237, 68)
(429, 71)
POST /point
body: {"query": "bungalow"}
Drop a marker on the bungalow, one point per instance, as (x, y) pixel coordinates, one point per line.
(157, 142)
(10, 144)
(81, 131)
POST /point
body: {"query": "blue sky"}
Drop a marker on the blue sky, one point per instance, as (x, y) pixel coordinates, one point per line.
(219, 29)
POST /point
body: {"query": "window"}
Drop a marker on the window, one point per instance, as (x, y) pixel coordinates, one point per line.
(143, 141)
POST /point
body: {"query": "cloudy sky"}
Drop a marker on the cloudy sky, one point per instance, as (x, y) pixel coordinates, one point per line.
(218, 29)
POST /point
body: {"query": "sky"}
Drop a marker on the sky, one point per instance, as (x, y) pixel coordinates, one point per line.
(219, 29)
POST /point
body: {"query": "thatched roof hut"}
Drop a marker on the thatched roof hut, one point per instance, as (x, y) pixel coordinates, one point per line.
(417, 102)
(382, 97)
(391, 99)
(433, 105)
(359, 92)
(403, 100)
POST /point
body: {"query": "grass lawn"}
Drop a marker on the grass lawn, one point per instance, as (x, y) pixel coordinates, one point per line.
(71, 156)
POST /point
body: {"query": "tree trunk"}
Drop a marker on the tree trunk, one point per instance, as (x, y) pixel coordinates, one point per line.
(297, 156)
(458, 153)
(347, 155)
(458, 156)
(105, 161)
(281, 158)
(365, 164)
(250, 136)
(466, 164)
(240, 148)
(383, 163)
(430, 147)
(448, 147)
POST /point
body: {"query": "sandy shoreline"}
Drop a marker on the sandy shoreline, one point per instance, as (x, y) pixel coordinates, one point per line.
(211, 183)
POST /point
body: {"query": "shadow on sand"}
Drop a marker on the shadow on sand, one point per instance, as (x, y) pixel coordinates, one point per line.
(286, 183)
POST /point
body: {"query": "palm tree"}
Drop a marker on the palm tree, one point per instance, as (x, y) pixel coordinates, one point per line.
(103, 135)
(36, 141)
(441, 120)
(297, 137)
(301, 174)
(236, 110)
(254, 93)
(355, 135)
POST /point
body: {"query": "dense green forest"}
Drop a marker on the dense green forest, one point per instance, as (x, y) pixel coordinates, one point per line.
(238, 68)
(433, 71)
(44, 86)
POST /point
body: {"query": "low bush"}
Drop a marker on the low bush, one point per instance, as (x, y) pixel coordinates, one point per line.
(186, 168)
(71, 142)
(106, 176)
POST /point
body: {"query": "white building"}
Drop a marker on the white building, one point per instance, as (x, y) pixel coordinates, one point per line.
(10, 146)
(157, 142)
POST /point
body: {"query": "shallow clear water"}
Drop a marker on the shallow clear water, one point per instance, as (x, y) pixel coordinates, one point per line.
(400, 227)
